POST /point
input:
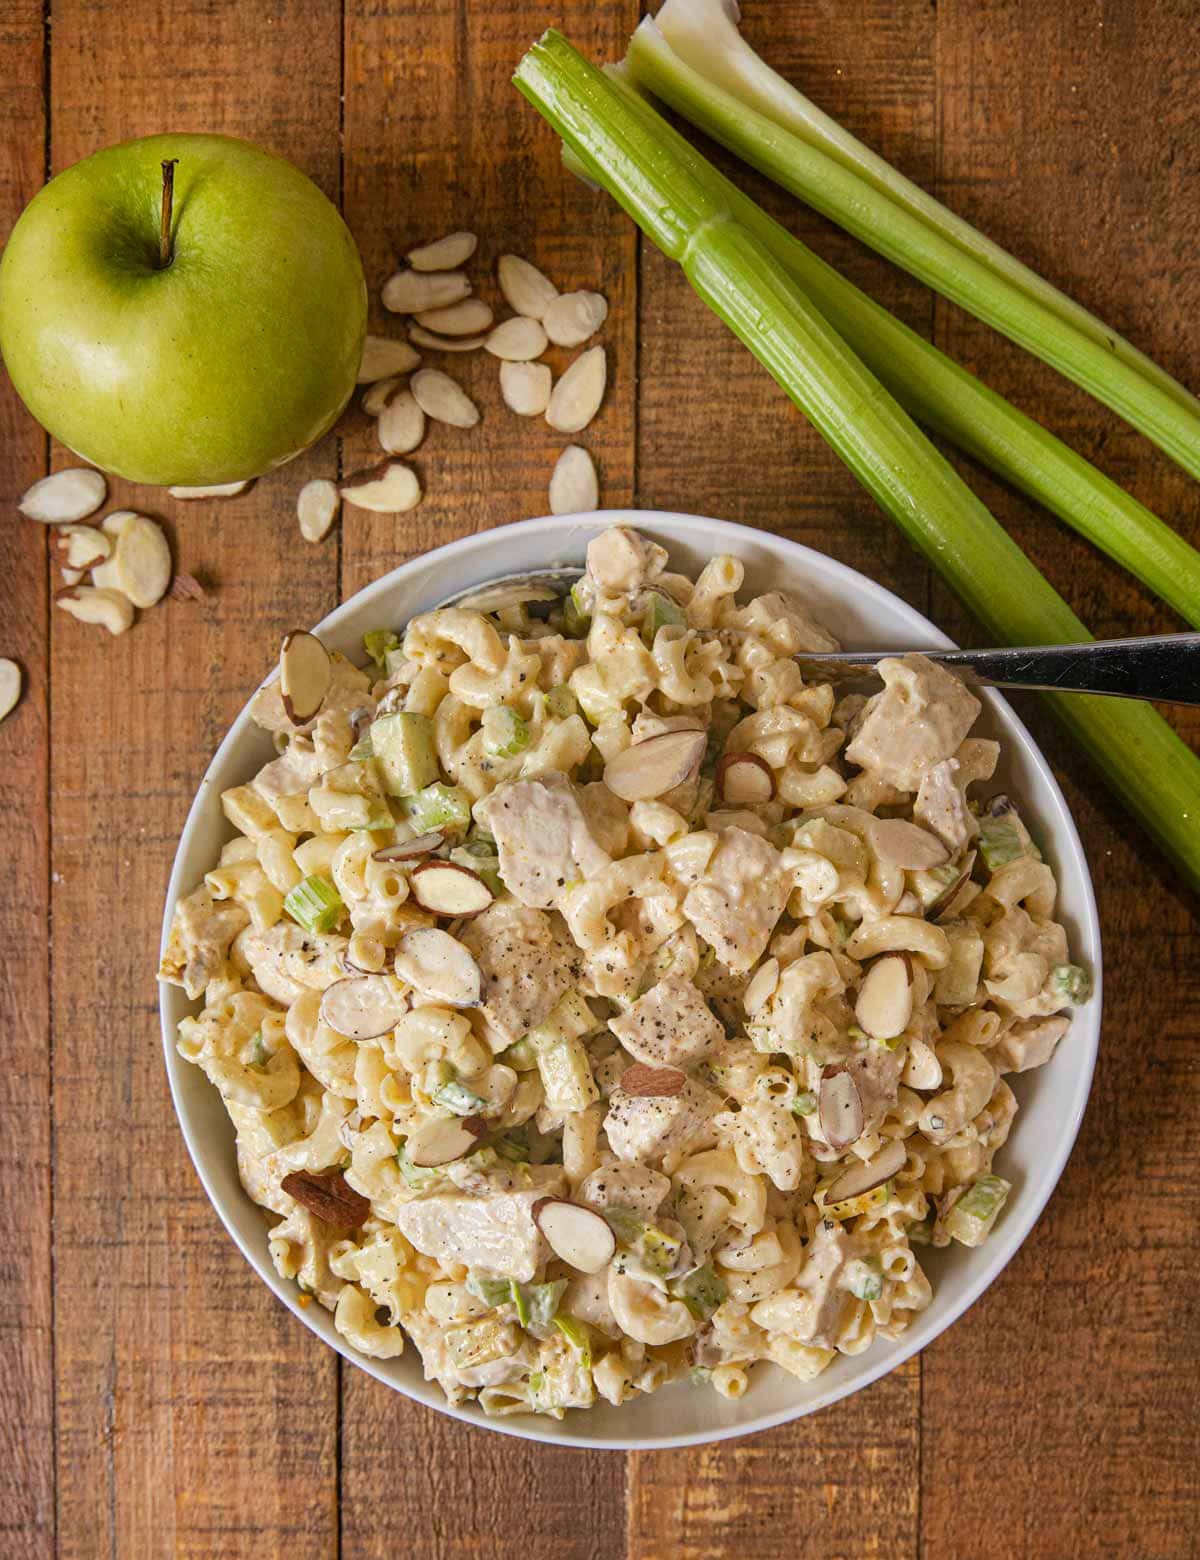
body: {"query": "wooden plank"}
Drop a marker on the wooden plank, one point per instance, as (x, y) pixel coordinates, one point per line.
(195, 1418)
(717, 436)
(26, 1305)
(1059, 1413)
(436, 138)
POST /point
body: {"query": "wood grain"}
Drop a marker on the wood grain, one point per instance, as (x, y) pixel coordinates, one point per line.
(194, 1416)
(26, 1149)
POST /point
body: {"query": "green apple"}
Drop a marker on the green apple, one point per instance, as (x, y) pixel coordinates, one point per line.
(228, 359)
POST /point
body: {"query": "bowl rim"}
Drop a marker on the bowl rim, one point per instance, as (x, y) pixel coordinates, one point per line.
(882, 1360)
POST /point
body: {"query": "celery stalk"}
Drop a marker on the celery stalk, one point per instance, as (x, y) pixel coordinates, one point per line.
(945, 397)
(677, 203)
(906, 239)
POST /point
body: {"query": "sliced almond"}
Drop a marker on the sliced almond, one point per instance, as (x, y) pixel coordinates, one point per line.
(363, 1007)
(391, 488)
(526, 387)
(215, 490)
(317, 504)
(72, 576)
(573, 317)
(186, 587)
(578, 1236)
(866, 1177)
(576, 397)
(441, 1142)
(10, 686)
(840, 1110)
(80, 546)
(443, 254)
(408, 850)
(113, 524)
(524, 287)
(518, 340)
(885, 998)
(141, 562)
(439, 967)
(496, 597)
(906, 845)
(305, 672)
(435, 343)
(574, 486)
(448, 889)
(377, 396)
(762, 987)
(945, 906)
(401, 425)
(412, 292)
(652, 1082)
(443, 398)
(94, 604)
(745, 779)
(328, 1197)
(384, 356)
(655, 766)
(65, 496)
(467, 318)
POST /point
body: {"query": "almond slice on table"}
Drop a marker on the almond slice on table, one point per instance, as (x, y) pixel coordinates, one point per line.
(439, 967)
(907, 845)
(443, 398)
(526, 387)
(839, 1108)
(578, 1236)
(363, 1007)
(10, 686)
(745, 779)
(401, 425)
(435, 1143)
(140, 565)
(866, 1177)
(435, 343)
(328, 1197)
(412, 292)
(573, 317)
(391, 488)
(443, 254)
(655, 1083)
(64, 496)
(524, 287)
(448, 889)
(72, 576)
(407, 850)
(383, 356)
(576, 397)
(467, 318)
(655, 766)
(885, 998)
(305, 672)
(80, 546)
(377, 396)
(518, 340)
(317, 504)
(574, 486)
(215, 490)
(115, 522)
(97, 604)
(186, 587)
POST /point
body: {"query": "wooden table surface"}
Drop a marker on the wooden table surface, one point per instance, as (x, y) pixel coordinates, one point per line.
(154, 1398)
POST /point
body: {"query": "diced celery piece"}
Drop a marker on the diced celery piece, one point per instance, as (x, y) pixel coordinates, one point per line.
(520, 1056)
(454, 1097)
(1003, 837)
(626, 1225)
(971, 1219)
(659, 1251)
(700, 1376)
(1071, 982)
(931, 884)
(492, 1291)
(561, 702)
(517, 1294)
(661, 612)
(415, 1175)
(438, 806)
(537, 1303)
(482, 860)
(562, 1061)
(513, 1146)
(646, 1247)
(404, 750)
(920, 1233)
(805, 1103)
(577, 1335)
(701, 1290)
(377, 643)
(576, 621)
(505, 731)
(314, 904)
(864, 1278)
(258, 1051)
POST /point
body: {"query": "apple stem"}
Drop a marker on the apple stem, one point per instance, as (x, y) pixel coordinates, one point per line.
(168, 196)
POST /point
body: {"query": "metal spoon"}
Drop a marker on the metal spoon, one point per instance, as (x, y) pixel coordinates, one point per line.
(1164, 668)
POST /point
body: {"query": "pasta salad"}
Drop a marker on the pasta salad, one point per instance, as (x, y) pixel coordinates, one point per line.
(599, 1003)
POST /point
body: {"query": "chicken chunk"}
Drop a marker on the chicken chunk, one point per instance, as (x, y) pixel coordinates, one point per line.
(741, 895)
(621, 560)
(642, 1129)
(636, 1187)
(542, 836)
(670, 1026)
(811, 1310)
(201, 934)
(919, 720)
(494, 1233)
(287, 961)
(527, 962)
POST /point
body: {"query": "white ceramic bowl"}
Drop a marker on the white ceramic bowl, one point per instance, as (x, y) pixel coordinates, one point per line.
(1052, 1098)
